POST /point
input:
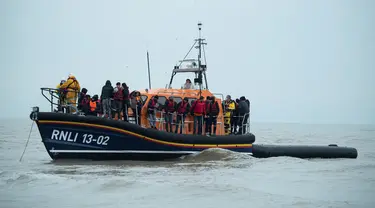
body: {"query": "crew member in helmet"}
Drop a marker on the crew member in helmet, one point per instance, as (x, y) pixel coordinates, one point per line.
(72, 88)
(229, 107)
(61, 94)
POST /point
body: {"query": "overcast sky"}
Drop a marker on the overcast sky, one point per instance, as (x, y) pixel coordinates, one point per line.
(297, 61)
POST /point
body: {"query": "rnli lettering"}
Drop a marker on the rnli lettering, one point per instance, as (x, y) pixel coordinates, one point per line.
(73, 137)
(64, 136)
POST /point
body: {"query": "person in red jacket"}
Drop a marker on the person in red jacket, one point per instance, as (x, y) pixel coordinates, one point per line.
(198, 110)
(118, 97)
(183, 108)
(169, 109)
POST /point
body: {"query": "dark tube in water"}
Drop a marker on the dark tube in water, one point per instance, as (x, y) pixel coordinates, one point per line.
(303, 151)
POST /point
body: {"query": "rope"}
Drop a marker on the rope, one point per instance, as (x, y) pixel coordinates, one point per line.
(188, 52)
(32, 124)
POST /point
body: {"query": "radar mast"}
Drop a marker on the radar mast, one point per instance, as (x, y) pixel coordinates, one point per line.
(200, 69)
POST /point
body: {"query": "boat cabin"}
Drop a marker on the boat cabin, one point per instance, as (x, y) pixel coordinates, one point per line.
(178, 96)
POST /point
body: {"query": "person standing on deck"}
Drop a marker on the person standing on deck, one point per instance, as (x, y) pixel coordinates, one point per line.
(81, 96)
(182, 109)
(118, 97)
(136, 106)
(94, 106)
(105, 97)
(198, 110)
(213, 113)
(72, 88)
(229, 106)
(234, 120)
(61, 95)
(243, 111)
(126, 102)
(151, 111)
(170, 109)
(206, 115)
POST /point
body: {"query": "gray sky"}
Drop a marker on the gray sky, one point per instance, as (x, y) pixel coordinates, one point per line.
(297, 61)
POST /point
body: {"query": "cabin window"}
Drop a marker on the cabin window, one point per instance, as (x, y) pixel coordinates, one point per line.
(177, 99)
(162, 100)
(191, 100)
(144, 98)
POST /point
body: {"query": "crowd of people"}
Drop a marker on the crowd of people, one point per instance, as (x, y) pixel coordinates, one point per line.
(205, 113)
(114, 102)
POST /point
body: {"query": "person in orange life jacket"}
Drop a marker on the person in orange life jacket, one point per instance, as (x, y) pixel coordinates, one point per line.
(136, 105)
(151, 110)
(81, 96)
(213, 113)
(183, 108)
(118, 97)
(126, 102)
(169, 108)
(198, 110)
(94, 106)
(206, 116)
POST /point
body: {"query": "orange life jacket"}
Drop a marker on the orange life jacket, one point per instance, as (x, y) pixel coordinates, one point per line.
(92, 106)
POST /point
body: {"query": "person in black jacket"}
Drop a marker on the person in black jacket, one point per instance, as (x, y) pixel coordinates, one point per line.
(126, 102)
(243, 111)
(105, 97)
(213, 113)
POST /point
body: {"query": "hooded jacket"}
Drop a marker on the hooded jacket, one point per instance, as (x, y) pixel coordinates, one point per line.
(107, 91)
(72, 86)
(243, 107)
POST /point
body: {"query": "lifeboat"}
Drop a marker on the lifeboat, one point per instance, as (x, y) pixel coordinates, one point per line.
(67, 133)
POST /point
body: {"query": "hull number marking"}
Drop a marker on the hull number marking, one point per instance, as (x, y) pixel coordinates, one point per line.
(76, 137)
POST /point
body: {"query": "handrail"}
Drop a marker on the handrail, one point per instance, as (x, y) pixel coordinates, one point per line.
(53, 93)
(178, 93)
(220, 94)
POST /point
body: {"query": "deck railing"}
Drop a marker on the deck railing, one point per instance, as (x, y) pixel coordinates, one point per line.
(52, 95)
(243, 125)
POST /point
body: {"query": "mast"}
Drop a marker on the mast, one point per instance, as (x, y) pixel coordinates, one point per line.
(200, 69)
(149, 76)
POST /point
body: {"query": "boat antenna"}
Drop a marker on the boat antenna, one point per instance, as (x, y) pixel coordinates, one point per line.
(201, 70)
(148, 66)
(201, 67)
